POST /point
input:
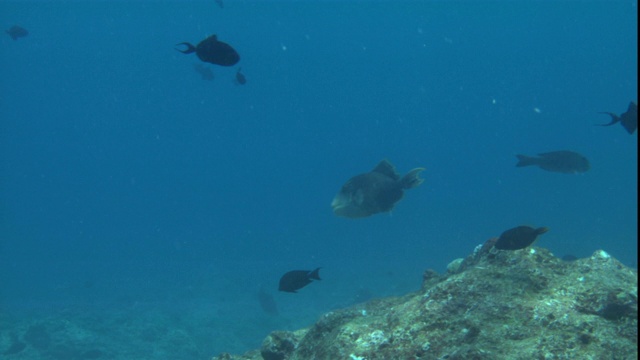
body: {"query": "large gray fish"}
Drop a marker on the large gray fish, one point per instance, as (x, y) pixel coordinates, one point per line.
(628, 119)
(564, 161)
(374, 192)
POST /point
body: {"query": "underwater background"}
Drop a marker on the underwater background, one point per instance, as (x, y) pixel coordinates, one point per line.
(130, 185)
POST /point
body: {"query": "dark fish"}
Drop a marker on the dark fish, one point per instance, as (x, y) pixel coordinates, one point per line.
(240, 79)
(212, 51)
(220, 4)
(374, 192)
(628, 120)
(519, 237)
(17, 32)
(297, 279)
(567, 162)
(204, 71)
(267, 303)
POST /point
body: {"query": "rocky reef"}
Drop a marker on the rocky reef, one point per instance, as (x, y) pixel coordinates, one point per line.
(524, 304)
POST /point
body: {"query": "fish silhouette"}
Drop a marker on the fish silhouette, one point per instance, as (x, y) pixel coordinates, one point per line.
(297, 279)
(213, 51)
(519, 237)
(17, 32)
(628, 119)
(240, 79)
(564, 161)
(374, 192)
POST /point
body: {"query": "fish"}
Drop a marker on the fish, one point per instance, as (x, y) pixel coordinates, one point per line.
(267, 303)
(519, 237)
(240, 79)
(204, 71)
(220, 3)
(17, 32)
(564, 161)
(374, 192)
(297, 279)
(213, 51)
(628, 119)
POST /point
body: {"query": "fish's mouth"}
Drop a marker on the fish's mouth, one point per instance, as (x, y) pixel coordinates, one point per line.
(343, 206)
(339, 202)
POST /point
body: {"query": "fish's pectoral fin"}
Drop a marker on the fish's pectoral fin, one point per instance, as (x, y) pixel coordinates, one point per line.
(190, 48)
(614, 119)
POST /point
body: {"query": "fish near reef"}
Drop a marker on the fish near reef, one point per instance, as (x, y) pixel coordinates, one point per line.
(564, 161)
(374, 192)
(519, 237)
(17, 32)
(213, 51)
(297, 279)
(628, 119)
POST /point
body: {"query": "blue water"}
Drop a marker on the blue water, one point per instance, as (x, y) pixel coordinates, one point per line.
(127, 181)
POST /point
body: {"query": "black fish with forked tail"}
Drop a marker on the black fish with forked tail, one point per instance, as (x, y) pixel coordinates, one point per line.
(628, 119)
(213, 51)
(297, 279)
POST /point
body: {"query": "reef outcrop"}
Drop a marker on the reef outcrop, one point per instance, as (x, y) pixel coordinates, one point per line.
(524, 304)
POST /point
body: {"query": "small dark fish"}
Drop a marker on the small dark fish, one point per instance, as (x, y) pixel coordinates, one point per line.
(267, 303)
(374, 192)
(519, 237)
(17, 32)
(212, 51)
(240, 79)
(220, 4)
(567, 162)
(297, 279)
(628, 120)
(204, 71)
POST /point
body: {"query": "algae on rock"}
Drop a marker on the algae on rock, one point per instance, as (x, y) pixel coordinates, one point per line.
(524, 304)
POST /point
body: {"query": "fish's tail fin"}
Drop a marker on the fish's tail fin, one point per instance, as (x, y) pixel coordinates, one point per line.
(614, 119)
(524, 160)
(541, 230)
(412, 179)
(190, 48)
(315, 274)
